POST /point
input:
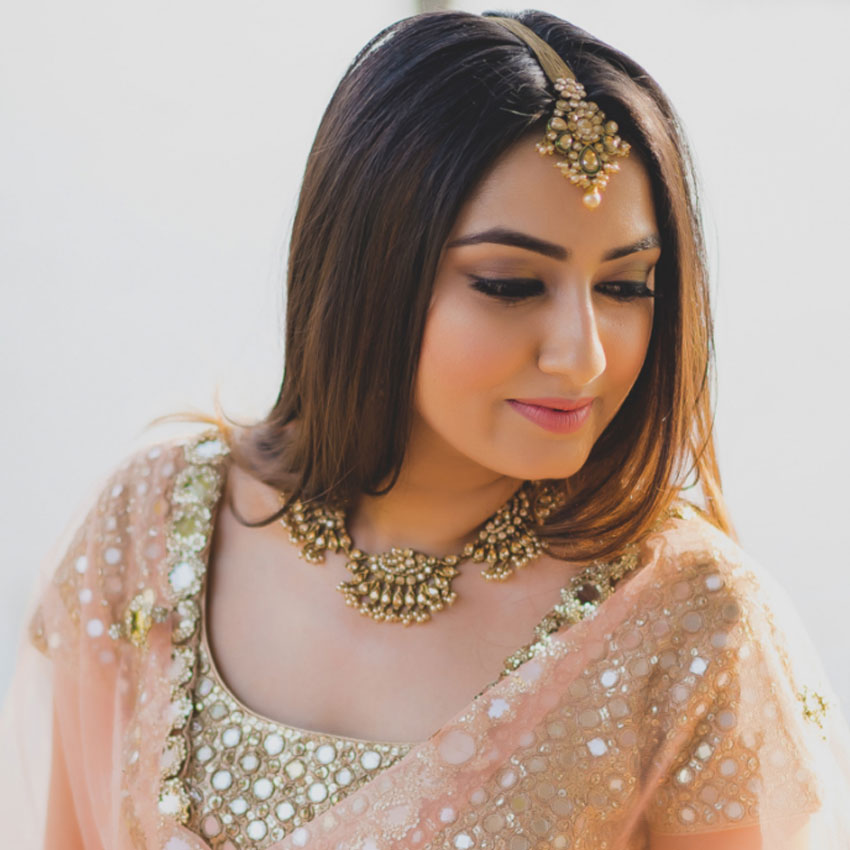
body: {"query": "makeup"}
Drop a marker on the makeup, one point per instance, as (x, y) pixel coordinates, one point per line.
(562, 416)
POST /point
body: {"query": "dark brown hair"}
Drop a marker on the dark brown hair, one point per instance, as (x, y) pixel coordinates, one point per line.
(422, 113)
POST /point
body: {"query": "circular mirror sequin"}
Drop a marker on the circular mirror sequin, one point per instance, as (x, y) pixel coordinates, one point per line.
(256, 830)
(204, 754)
(273, 744)
(317, 792)
(231, 736)
(370, 760)
(284, 811)
(249, 762)
(222, 780)
(239, 806)
(263, 789)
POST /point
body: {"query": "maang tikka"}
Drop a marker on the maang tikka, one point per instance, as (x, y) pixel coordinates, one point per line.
(405, 586)
(577, 129)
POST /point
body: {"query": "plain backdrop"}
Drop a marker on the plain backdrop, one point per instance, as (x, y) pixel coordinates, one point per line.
(150, 157)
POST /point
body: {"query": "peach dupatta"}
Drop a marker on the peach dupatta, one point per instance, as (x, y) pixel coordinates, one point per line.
(687, 710)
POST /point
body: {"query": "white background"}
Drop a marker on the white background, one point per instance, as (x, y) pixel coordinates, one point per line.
(150, 156)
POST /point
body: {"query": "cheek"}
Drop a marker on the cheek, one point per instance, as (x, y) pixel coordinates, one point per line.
(626, 340)
(464, 349)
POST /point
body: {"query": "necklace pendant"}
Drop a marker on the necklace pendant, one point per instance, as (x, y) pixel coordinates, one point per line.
(405, 586)
(400, 586)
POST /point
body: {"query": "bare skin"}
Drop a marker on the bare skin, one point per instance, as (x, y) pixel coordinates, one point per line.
(274, 620)
(282, 637)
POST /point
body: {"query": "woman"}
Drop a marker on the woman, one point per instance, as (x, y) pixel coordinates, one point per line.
(493, 361)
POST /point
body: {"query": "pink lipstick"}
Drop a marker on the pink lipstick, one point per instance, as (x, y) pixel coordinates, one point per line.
(560, 415)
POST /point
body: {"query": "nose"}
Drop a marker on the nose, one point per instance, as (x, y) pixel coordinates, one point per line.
(571, 345)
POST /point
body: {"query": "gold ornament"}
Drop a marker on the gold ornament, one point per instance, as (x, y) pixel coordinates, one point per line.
(315, 528)
(404, 586)
(138, 618)
(400, 586)
(504, 542)
(577, 129)
(815, 707)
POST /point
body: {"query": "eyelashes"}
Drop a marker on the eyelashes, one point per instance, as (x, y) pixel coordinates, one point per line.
(515, 290)
(508, 289)
(627, 290)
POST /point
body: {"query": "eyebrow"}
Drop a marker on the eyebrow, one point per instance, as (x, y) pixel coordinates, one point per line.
(504, 236)
(651, 241)
(516, 239)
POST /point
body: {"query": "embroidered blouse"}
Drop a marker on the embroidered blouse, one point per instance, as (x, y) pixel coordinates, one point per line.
(251, 779)
(671, 698)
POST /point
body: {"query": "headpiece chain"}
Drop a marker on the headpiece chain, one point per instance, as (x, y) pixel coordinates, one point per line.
(577, 129)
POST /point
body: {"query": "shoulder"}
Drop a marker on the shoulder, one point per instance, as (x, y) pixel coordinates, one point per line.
(720, 603)
(130, 517)
(723, 616)
(700, 566)
(736, 679)
(170, 492)
(125, 539)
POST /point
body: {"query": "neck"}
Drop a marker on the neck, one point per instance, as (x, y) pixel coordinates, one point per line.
(434, 520)
(435, 506)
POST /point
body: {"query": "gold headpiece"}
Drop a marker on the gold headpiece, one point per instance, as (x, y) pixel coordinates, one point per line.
(577, 129)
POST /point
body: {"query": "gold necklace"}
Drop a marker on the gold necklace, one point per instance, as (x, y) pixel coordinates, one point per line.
(405, 586)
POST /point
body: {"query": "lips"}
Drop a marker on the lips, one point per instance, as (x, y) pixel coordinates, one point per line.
(569, 416)
(555, 403)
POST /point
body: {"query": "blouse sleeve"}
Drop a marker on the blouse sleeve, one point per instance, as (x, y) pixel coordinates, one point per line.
(753, 746)
(36, 798)
(60, 730)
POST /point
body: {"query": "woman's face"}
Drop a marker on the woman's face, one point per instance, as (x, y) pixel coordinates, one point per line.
(538, 303)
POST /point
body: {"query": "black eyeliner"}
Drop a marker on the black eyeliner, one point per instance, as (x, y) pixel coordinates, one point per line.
(514, 289)
(519, 287)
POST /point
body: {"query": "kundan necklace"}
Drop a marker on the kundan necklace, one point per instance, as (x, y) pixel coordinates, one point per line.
(405, 586)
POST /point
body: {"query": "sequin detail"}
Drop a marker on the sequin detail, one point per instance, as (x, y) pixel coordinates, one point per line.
(679, 678)
(815, 706)
(232, 775)
(248, 781)
(684, 681)
(253, 781)
(586, 591)
(194, 495)
(226, 773)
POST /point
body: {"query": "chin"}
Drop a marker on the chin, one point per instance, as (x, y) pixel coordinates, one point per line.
(544, 466)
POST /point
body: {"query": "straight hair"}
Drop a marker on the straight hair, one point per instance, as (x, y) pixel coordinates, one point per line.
(421, 115)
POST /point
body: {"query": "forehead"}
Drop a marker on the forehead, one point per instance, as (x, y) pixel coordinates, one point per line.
(525, 191)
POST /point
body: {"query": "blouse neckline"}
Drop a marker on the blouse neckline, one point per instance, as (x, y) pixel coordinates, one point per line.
(195, 498)
(215, 674)
(601, 577)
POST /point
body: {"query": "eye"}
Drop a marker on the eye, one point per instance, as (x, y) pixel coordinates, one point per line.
(626, 290)
(511, 290)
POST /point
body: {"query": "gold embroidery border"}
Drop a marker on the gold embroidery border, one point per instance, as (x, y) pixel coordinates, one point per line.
(585, 592)
(194, 496)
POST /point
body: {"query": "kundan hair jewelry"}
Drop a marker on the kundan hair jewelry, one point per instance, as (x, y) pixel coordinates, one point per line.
(577, 130)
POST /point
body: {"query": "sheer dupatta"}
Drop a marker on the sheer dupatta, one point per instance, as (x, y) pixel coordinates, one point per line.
(688, 710)
(81, 768)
